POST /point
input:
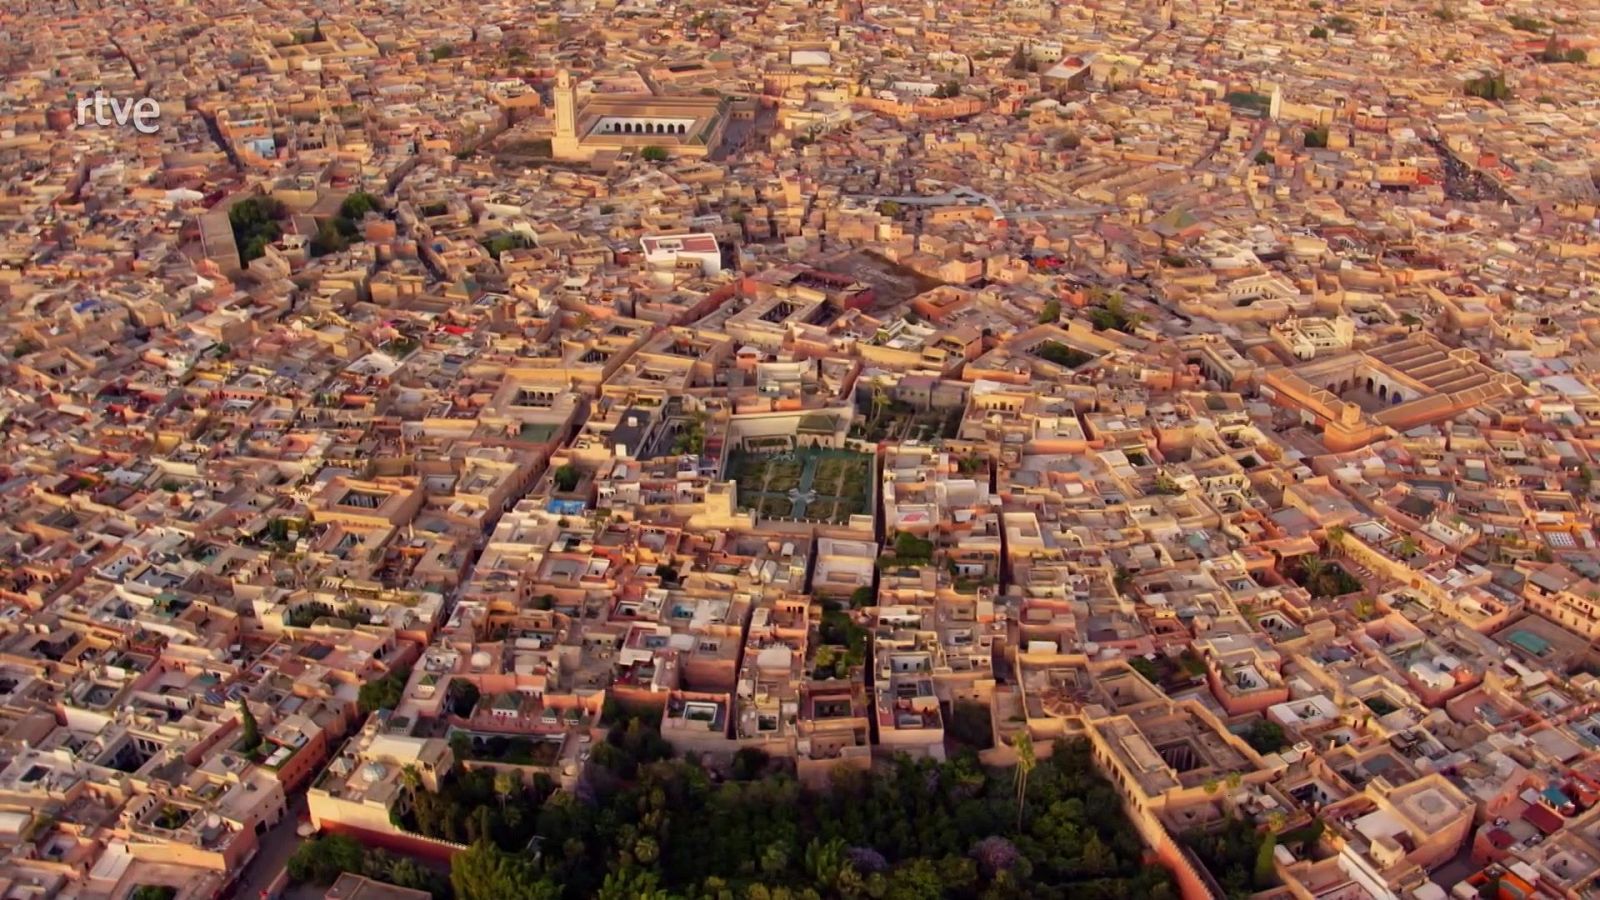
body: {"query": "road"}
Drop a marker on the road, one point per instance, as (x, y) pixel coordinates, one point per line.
(277, 845)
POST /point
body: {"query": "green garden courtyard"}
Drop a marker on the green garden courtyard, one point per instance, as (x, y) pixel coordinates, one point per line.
(815, 484)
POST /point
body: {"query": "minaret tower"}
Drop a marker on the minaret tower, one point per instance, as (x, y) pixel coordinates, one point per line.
(565, 143)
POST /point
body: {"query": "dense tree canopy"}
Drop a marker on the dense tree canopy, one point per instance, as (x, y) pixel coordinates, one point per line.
(384, 693)
(642, 825)
(322, 859)
(255, 225)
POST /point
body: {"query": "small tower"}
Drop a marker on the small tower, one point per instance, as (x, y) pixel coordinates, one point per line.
(565, 143)
(1274, 93)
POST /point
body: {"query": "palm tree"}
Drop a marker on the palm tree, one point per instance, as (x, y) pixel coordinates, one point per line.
(1025, 766)
(1313, 566)
(880, 400)
(411, 778)
(1409, 547)
(825, 861)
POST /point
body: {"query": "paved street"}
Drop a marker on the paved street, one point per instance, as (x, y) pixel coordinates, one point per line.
(277, 845)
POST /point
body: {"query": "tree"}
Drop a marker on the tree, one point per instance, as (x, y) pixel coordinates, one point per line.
(1317, 138)
(255, 225)
(462, 697)
(880, 402)
(1025, 766)
(653, 153)
(485, 872)
(995, 854)
(1266, 736)
(1051, 312)
(749, 763)
(357, 205)
(567, 478)
(1263, 158)
(506, 783)
(250, 733)
(1114, 316)
(1266, 874)
(1319, 33)
(385, 692)
(911, 828)
(329, 239)
(443, 51)
(825, 862)
(1365, 607)
(406, 872)
(693, 437)
(1146, 668)
(1409, 547)
(862, 596)
(322, 859)
(1096, 859)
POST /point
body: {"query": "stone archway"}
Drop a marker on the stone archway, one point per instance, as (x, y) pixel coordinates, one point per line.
(1383, 392)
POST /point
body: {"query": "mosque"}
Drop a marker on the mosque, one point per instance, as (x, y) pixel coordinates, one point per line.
(681, 125)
